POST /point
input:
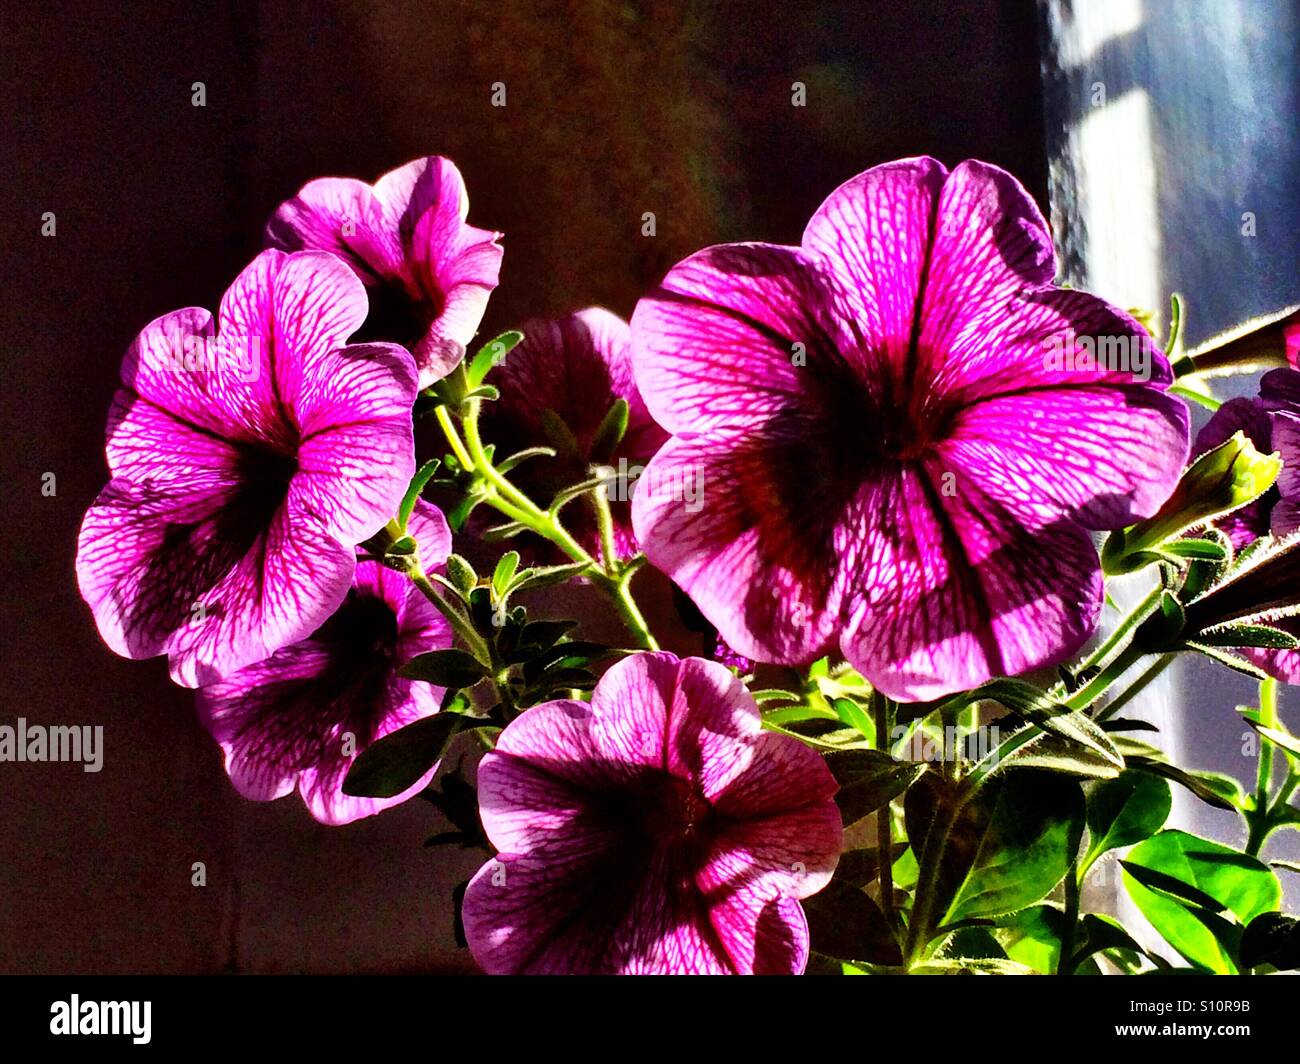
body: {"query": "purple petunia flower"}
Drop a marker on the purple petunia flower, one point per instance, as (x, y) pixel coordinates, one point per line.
(903, 431)
(656, 830)
(303, 715)
(429, 274)
(248, 460)
(575, 367)
(1271, 421)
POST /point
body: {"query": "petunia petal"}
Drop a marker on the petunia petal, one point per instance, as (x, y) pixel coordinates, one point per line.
(1104, 457)
(291, 312)
(751, 539)
(873, 236)
(166, 573)
(357, 451)
(336, 214)
(691, 718)
(954, 588)
(727, 337)
(177, 368)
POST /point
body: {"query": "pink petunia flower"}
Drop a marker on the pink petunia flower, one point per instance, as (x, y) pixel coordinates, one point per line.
(248, 460)
(428, 273)
(303, 715)
(657, 829)
(575, 367)
(1271, 421)
(904, 432)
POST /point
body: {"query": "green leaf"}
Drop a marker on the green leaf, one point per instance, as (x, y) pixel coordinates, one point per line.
(1222, 792)
(773, 695)
(1271, 938)
(505, 572)
(576, 653)
(390, 765)
(846, 924)
(507, 464)
(1032, 749)
(1126, 810)
(1201, 549)
(455, 797)
(461, 574)
(609, 434)
(537, 636)
(1096, 754)
(1180, 882)
(1122, 724)
(1249, 635)
(970, 966)
(855, 716)
(421, 478)
(1227, 659)
(551, 576)
(1287, 866)
(1032, 936)
(1279, 738)
(869, 779)
(559, 435)
(492, 354)
(1025, 836)
(452, 669)
(1099, 933)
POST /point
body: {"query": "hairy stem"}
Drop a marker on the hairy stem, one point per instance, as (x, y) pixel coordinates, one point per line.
(509, 500)
(884, 818)
(1260, 820)
(459, 623)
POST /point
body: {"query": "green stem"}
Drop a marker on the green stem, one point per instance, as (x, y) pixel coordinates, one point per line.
(1073, 881)
(920, 926)
(1260, 820)
(1284, 794)
(512, 502)
(620, 592)
(1104, 680)
(522, 508)
(604, 522)
(459, 623)
(1136, 687)
(453, 438)
(1125, 628)
(884, 818)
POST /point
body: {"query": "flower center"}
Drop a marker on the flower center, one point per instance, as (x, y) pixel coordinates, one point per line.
(263, 472)
(362, 634)
(395, 316)
(672, 811)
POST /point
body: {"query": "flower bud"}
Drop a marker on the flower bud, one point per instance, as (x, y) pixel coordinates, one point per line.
(1220, 481)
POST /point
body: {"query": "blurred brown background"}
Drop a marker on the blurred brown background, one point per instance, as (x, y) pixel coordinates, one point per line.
(613, 109)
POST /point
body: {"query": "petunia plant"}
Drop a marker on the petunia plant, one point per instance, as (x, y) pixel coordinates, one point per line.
(899, 478)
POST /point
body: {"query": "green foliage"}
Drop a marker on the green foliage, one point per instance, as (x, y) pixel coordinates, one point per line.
(1199, 895)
